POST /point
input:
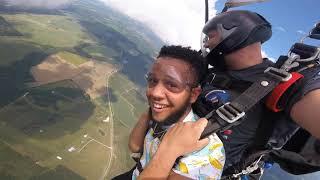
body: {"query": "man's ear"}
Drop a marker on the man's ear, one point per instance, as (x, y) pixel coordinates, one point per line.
(195, 92)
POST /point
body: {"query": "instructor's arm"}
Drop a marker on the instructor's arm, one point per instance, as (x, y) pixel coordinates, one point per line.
(306, 112)
(138, 133)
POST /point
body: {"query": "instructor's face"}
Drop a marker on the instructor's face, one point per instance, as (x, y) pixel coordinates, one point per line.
(214, 38)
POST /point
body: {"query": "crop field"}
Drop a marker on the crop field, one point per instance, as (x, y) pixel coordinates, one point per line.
(126, 108)
(100, 51)
(55, 118)
(122, 161)
(13, 51)
(12, 162)
(53, 130)
(72, 58)
(48, 30)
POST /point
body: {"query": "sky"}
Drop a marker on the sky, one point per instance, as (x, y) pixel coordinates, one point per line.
(181, 21)
(175, 21)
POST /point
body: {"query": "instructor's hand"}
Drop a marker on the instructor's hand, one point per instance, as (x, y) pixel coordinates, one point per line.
(183, 138)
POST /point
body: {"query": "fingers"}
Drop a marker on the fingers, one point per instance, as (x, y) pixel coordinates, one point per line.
(183, 137)
(201, 125)
(202, 143)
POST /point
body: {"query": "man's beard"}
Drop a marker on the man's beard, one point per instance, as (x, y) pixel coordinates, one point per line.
(176, 116)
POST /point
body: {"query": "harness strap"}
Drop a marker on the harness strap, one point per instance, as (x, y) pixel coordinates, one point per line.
(257, 148)
(231, 113)
(303, 50)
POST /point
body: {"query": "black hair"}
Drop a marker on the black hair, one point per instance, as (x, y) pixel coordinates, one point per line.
(192, 57)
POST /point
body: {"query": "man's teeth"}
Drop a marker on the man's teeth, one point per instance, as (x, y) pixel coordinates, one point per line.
(159, 106)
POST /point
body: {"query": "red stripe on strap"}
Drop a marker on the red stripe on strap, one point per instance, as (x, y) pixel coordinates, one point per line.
(278, 91)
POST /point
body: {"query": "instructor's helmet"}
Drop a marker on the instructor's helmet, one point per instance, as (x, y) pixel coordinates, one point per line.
(230, 31)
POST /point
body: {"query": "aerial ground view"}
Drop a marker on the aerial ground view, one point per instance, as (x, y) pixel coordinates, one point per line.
(72, 87)
(72, 82)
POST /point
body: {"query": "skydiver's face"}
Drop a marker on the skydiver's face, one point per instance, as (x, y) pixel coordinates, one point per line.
(170, 89)
(214, 38)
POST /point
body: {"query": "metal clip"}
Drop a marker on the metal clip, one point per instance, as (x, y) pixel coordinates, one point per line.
(280, 74)
(213, 77)
(229, 113)
(291, 62)
(254, 166)
(295, 58)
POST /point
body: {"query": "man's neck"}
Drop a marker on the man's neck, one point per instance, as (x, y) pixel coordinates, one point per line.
(245, 57)
(185, 114)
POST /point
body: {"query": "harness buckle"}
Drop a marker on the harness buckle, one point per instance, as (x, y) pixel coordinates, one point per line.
(229, 113)
(279, 74)
(251, 168)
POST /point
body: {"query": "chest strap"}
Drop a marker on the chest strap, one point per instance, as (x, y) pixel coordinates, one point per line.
(231, 114)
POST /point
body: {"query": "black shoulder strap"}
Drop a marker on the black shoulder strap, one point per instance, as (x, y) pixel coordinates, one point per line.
(231, 113)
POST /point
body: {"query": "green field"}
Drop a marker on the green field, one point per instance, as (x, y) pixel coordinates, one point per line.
(12, 162)
(44, 124)
(72, 58)
(14, 51)
(130, 103)
(100, 51)
(6, 28)
(126, 110)
(46, 121)
(39, 125)
(48, 30)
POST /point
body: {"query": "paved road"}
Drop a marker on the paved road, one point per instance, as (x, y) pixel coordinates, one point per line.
(106, 171)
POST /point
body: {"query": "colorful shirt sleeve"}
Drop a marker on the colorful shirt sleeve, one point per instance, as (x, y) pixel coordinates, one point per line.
(204, 164)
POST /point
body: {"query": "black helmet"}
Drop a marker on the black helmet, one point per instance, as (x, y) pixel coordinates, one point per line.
(236, 29)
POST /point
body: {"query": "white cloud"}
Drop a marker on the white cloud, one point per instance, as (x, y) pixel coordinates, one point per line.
(265, 55)
(280, 28)
(301, 32)
(175, 21)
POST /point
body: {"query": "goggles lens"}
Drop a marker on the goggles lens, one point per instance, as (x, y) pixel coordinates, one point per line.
(169, 84)
(203, 43)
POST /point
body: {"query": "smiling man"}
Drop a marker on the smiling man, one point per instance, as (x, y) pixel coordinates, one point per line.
(172, 86)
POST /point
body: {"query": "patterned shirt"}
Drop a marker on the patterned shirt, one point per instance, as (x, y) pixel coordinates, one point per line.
(206, 163)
